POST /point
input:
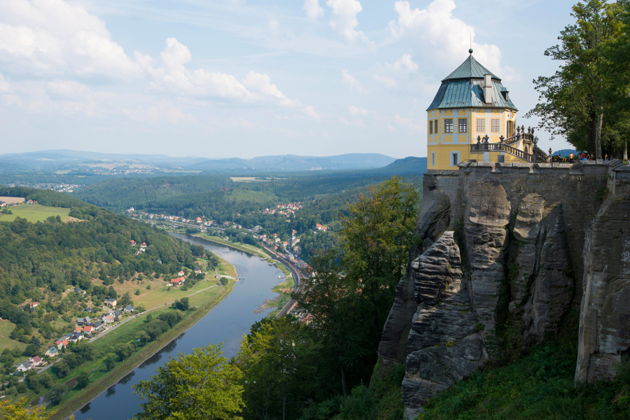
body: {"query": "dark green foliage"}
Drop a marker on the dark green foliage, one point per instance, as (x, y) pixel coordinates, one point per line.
(586, 99)
(182, 304)
(202, 385)
(59, 255)
(538, 386)
(56, 394)
(82, 380)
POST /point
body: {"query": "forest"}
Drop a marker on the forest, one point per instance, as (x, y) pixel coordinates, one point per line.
(53, 271)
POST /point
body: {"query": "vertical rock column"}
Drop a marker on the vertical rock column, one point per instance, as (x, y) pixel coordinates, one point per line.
(485, 231)
(604, 336)
(444, 345)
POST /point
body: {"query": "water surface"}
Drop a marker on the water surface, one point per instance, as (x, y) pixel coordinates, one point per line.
(225, 323)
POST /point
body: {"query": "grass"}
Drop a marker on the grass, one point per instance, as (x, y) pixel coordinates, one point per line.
(537, 386)
(36, 213)
(6, 328)
(203, 296)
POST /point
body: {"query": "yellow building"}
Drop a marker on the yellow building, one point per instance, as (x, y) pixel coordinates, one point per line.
(472, 118)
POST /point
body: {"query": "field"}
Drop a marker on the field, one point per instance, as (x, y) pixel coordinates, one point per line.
(35, 213)
(203, 296)
(6, 327)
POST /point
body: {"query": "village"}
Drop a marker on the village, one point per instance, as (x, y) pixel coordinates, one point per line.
(102, 321)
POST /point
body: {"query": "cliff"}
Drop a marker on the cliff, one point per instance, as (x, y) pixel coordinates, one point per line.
(505, 254)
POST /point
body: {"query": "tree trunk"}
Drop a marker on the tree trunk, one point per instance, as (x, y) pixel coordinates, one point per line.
(599, 122)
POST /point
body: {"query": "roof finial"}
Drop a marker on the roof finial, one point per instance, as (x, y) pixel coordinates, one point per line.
(470, 51)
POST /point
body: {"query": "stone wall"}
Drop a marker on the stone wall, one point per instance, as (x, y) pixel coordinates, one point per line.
(518, 245)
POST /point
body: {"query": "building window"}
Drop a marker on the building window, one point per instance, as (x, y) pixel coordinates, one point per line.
(431, 127)
(454, 158)
(462, 125)
(448, 125)
(432, 158)
(495, 125)
(481, 125)
(435, 126)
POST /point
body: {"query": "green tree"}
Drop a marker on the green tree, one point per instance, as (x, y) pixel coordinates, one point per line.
(83, 380)
(574, 101)
(201, 385)
(352, 289)
(281, 361)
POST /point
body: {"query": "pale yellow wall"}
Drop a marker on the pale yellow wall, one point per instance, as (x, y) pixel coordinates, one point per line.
(442, 144)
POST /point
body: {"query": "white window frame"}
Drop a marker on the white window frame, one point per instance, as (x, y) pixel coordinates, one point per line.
(459, 125)
(481, 125)
(495, 125)
(432, 158)
(446, 128)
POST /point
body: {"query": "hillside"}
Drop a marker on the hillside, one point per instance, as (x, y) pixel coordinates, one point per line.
(70, 271)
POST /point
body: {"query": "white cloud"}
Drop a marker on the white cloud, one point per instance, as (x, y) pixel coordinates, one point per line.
(56, 37)
(406, 123)
(311, 112)
(313, 9)
(61, 44)
(4, 84)
(357, 111)
(352, 81)
(447, 36)
(405, 64)
(344, 19)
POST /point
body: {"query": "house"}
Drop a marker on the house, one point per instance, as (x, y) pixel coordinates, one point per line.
(74, 337)
(181, 273)
(178, 281)
(88, 329)
(128, 309)
(84, 321)
(111, 302)
(107, 319)
(36, 361)
(62, 343)
(52, 352)
(78, 329)
(79, 291)
(472, 118)
(24, 366)
(33, 305)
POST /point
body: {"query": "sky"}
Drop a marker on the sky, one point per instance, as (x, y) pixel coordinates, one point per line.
(245, 78)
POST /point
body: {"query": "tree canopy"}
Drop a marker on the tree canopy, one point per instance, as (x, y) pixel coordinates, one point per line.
(201, 385)
(586, 99)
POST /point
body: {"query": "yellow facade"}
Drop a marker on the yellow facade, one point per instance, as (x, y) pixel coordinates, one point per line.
(450, 132)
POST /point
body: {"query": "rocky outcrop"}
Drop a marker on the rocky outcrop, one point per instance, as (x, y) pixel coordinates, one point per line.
(604, 338)
(444, 343)
(485, 233)
(433, 220)
(522, 232)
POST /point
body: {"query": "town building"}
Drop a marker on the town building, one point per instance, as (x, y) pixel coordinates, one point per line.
(473, 118)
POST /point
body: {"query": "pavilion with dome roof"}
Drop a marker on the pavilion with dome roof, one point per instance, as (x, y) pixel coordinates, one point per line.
(472, 118)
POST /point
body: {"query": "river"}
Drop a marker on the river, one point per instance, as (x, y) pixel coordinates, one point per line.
(225, 323)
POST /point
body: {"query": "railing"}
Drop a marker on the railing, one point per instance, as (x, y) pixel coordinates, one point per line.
(540, 156)
(521, 134)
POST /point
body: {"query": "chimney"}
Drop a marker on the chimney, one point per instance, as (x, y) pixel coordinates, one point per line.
(487, 88)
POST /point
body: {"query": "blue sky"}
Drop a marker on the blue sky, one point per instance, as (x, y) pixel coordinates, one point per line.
(246, 78)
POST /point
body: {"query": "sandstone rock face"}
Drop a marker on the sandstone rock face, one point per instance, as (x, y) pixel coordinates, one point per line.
(444, 344)
(535, 242)
(433, 220)
(605, 313)
(485, 230)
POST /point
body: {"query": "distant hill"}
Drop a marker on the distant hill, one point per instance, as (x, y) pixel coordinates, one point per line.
(293, 163)
(72, 161)
(410, 165)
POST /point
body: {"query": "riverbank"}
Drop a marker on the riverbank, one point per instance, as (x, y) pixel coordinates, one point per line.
(283, 289)
(201, 300)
